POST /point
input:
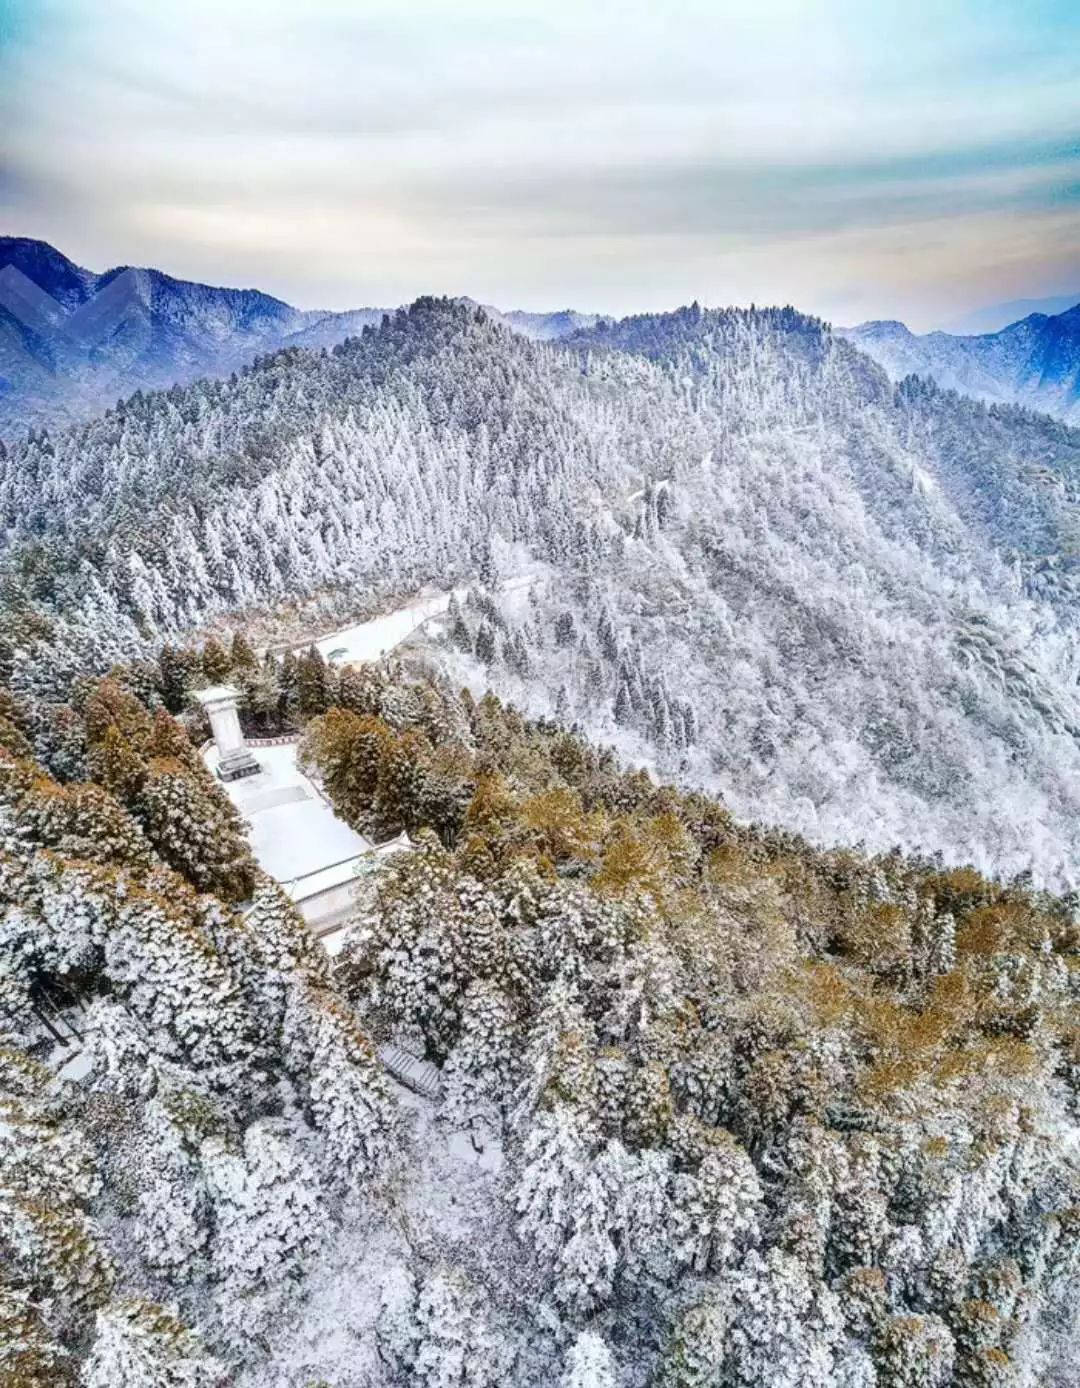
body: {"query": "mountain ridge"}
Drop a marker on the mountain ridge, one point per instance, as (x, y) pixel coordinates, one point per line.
(73, 341)
(858, 583)
(1034, 361)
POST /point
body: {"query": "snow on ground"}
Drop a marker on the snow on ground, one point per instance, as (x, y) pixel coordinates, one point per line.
(293, 830)
(370, 640)
(379, 636)
(443, 1206)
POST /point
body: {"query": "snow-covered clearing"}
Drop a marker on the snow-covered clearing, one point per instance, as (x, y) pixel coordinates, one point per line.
(378, 637)
(294, 832)
(446, 1212)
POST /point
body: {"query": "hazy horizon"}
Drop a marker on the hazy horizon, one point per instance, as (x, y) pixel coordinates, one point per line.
(859, 165)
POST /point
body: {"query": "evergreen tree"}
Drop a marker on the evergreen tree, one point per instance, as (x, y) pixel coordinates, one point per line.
(694, 1355)
(400, 785)
(30, 1357)
(485, 643)
(242, 658)
(480, 1071)
(216, 665)
(346, 1094)
(138, 1344)
(454, 1349)
(564, 629)
(284, 955)
(180, 673)
(565, 1212)
(589, 1363)
(268, 1220)
(347, 749)
(312, 684)
(716, 1211)
(195, 829)
(118, 766)
(460, 635)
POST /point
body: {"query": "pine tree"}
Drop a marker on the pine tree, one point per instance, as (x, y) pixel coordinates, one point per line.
(624, 705)
(242, 657)
(117, 765)
(109, 705)
(180, 673)
(694, 1355)
(565, 630)
(565, 1212)
(347, 748)
(177, 986)
(260, 695)
(479, 1075)
(399, 791)
(915, 1352)
(82, 821)
(785, 1327)
(396, 1328)
(485, 643)
(196, 830)
(30, 1357)
(716, 1211)
(118, 1052)
(41, 1158)
(283, 955)
(172, 1215)
(312, 684)
(648, 1107)
(55, 1251)
(459, 631)
(169, 739)
(489, 570)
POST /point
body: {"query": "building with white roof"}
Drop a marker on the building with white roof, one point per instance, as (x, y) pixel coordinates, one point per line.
(295, 835)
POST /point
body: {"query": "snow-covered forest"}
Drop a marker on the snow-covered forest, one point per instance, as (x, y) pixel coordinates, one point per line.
(716, 1108)
(848, 607)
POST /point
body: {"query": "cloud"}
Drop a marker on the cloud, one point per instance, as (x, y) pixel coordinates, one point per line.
(530, 152)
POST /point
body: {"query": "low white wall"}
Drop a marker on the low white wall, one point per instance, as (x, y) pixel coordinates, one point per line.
(328, 908)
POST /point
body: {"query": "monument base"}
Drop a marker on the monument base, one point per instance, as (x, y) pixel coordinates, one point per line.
(238, 764)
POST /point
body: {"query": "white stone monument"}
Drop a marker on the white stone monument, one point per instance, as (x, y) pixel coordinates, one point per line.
(234, 759)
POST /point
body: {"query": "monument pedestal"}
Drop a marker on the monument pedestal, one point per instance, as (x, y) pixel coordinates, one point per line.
(234, 759)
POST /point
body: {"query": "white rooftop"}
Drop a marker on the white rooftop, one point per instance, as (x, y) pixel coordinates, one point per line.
(293, 830)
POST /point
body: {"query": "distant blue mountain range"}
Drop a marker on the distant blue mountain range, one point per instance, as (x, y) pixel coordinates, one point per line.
(73, 342)
(1034, 361)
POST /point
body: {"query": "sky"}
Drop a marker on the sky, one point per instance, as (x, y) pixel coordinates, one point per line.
(858, 158)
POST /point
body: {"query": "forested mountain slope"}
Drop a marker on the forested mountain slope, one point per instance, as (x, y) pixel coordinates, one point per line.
(850, 606)
(73, 342)
(717, 1110)
(1034, 361)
